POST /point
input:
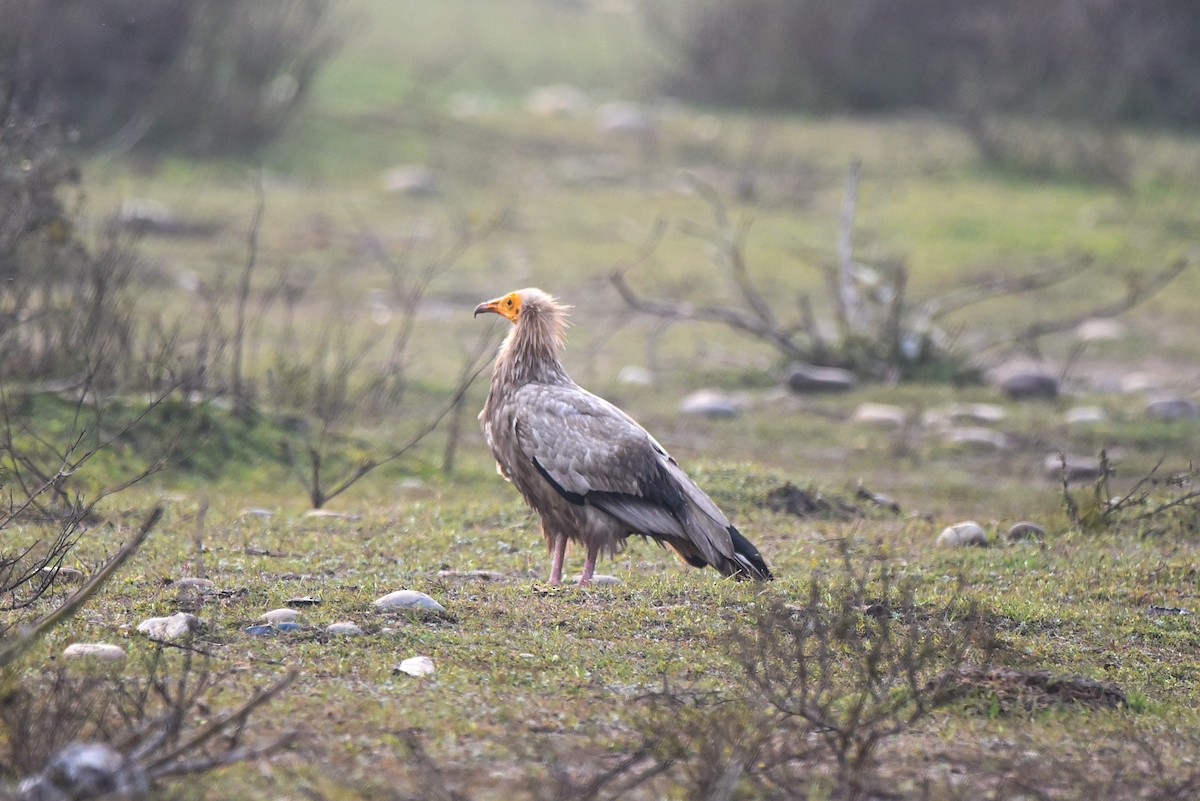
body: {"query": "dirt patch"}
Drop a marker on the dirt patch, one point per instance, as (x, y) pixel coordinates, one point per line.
(1008, 690)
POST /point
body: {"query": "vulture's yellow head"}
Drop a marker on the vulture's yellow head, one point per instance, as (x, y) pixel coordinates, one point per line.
(530, 302)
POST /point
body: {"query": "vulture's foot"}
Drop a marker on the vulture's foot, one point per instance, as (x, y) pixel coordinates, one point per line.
(589, 567)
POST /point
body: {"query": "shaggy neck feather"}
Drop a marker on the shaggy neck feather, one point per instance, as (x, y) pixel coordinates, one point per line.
(529, 353)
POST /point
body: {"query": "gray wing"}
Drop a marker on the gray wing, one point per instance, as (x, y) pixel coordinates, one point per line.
(592, 452)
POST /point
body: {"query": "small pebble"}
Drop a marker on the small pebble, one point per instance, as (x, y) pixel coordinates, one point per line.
(709, 403)
(410, 600)
(67, 575)
(978, 437)
(199, 584)
(1086, 415)
(304, 600)
(804, 378)
(277, 616)
(168, 629)
(1025, 531)
(416, 666)
(880, 414)
(963, 534)
(95, 651)
(601, 580)
(346, 628)
(476, 575)
(1078, 468)
(331, 515)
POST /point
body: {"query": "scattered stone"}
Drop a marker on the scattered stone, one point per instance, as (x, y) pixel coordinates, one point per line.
(805, 378)
(1025, 531)
(624, 118)
(329, 514)
(277, 616)
(880, 414)
(1026, 381)
(345, 628)
(476, 575)
(1078, 468)
(67, 575)
(978, 413)
(633, 374)
(408, 600)
(416, 666)
(168, 629)
(304, 600)
(414, 180)
(1086, 415)
(978, 437)
(559, 100)
(95, 651)
(601, 580)
(86, 770)
(709, 403)
(201, 585)
(255, 511)
(1134, 383)
(144, 216)
(1102, 329)
(963, 534)
(1172, 407)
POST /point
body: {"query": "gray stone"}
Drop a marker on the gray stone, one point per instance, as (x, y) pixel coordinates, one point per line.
(954, 413)
(805, 378)
(168, 629)
(416, 666)
(1086, 415)
(408, 600)
(967, 533)
(200, 585)
(709, 403)
(633, 374)
(978, 437)
(65, 575)
(1078, 468)
(602, 580)
(1101, 329)
(1172, 407)
(1026, 381)
(283, 615)
(414, 180)
(624, 118)
(1025, 530)
(880, 414)
(95, 652)
(345, 628)
(303, 600)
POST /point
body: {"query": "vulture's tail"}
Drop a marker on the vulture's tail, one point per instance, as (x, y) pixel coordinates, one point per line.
(747, 562)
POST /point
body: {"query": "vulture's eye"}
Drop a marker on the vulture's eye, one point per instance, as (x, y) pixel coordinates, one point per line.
(509, 302)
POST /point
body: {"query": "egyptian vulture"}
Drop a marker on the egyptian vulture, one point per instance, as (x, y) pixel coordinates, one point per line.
(592, 474)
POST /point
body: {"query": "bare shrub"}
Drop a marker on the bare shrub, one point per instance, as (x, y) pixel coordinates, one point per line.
(880, 331)
(1157, 502)
(207, 77)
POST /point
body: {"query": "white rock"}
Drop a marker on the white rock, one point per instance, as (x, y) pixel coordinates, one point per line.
(410, 600)
(67, 575)
(805, 378)
(880, 414)
(417, 666)
(624, 118)
(559, 100)
(414, 180)
(633, 374)
(95, 651)
(601, 580)
(346, 628)
(283, 615)
(709, 403)
(981, 413)
(328, 514)
(978, 437)
(1133, 383)
(1099, 330)
(963, 534)
(1086, 415)
(86, 770)
(167, 629)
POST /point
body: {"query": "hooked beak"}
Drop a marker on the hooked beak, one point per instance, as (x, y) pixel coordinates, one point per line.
(489, 306)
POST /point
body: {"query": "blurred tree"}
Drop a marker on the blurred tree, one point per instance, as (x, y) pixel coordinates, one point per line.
(204, 76)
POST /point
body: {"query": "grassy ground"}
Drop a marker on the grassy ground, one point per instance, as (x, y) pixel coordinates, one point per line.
(521, 666)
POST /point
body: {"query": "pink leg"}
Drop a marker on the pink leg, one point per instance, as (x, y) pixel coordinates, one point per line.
(560, 551)
(589, 567)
